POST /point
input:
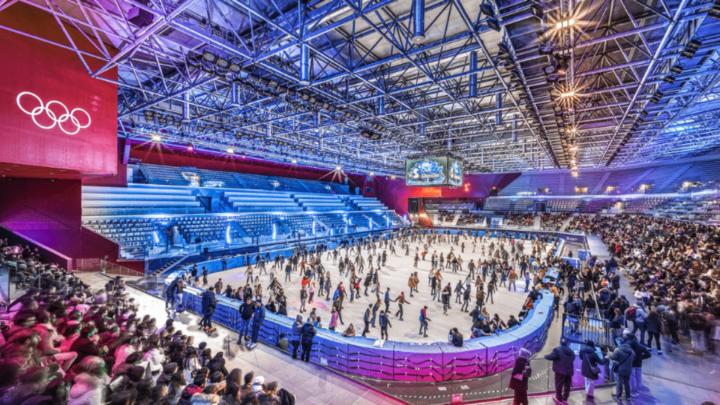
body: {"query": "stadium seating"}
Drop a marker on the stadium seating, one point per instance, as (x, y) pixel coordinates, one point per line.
(365, 203)
(319, 202)
(134, 200)
(186, 209)
(261, 201)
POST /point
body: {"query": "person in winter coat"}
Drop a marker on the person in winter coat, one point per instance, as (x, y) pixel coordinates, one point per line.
(384, 324)
(306, 340)
(653, 325)
(562, 358)
(590, 366)
(296, 333)
(641, 353)
(257, 322)
(89, 385)
(519, 378)
(623, 358)
(246, 310)
(209, 302)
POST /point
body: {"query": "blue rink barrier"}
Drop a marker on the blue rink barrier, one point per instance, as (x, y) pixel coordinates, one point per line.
(401, 361)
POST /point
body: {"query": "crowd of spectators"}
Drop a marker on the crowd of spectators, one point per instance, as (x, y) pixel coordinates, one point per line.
(63, 342)
(469, 218)
(555, 221)
(674, 268)
(519, 220)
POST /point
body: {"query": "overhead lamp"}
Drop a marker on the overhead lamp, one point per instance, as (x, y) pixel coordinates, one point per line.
(209, 56)
(230, 151)
(235, 68)
(494, 24)
(565, 23)
(371, 174)
(692, 46)
(678, 69)
(574, 148)
(568, 94)
(156, 138)
(222, 63)
(715, 10)
(418, 21)
(393, 177)
(669, 79)
(338, 168)
(190, 148)
(487, 9)
(293, 161)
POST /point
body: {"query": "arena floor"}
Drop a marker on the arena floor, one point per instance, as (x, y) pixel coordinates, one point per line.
(395, 275)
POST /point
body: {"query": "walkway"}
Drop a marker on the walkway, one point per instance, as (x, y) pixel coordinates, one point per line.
(676, 377)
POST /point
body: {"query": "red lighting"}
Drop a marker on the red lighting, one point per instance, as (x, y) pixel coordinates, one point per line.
(466, 187)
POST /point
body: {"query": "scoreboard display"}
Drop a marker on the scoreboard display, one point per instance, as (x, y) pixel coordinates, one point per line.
(434, 171)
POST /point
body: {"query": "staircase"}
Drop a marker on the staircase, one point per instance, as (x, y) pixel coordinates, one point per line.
(171, 265)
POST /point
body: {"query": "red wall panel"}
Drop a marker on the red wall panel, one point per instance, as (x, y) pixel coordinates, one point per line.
(48, 212)
(50, 82)
(394, 193)
(173, 156)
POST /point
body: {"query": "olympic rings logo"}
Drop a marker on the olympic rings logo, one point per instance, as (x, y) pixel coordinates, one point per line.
(52, 114)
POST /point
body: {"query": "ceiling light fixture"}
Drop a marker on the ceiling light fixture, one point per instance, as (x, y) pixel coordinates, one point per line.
(156, 138)
(565, 23)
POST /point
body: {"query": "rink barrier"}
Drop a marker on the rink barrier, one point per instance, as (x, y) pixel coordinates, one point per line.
(400, 361)
(408, 361)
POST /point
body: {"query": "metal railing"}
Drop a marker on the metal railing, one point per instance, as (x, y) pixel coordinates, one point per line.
(579, 329)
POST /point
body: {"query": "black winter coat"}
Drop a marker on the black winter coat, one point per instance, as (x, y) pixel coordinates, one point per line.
(562, 358)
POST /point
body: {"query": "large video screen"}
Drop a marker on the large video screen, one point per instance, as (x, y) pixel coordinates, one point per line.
(426, 171)
(455, 172)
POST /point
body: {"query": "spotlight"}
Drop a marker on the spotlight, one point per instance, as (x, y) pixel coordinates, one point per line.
(565, 24)
(338, 168)
(487, 9)
(371, 174)
(190, 148)
(494, 24)
(715, 10)
(669, 79)
(293, 161)
(156, 138)
(656, 96)
(209, 56)
(222, 63)
(568, 94)
(690, 49)
(230, 151)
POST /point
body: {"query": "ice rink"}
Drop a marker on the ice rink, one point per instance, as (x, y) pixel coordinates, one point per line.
(395, 275)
